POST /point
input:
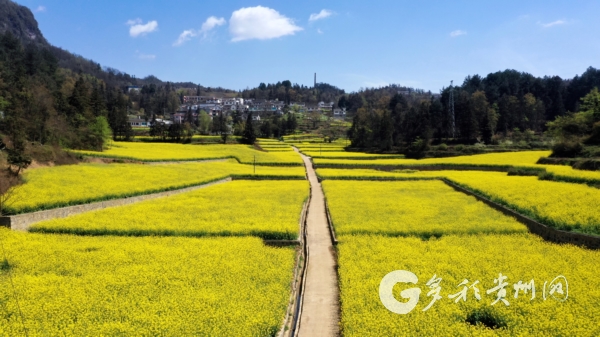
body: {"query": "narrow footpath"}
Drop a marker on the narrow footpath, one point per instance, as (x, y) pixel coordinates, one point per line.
(320, 307)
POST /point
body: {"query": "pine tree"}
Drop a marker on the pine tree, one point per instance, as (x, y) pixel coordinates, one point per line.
(249, 137)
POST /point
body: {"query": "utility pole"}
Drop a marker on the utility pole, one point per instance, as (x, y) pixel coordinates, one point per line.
(451, 107)
(315, 87)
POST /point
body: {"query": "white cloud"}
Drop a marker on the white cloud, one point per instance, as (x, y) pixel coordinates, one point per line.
(184, 37)
(211, 23)
(143, 56)
(260, 23)
(319, 31)
(324, 13)
(376, 84)
(458, 33)
(133, 22)
(207, 26)
(137, 28)
(553, 23)
(40, 9)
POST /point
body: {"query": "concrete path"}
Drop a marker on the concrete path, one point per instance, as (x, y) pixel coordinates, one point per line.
(320, 306)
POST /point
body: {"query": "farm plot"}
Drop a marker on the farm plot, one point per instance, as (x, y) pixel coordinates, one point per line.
(268, 141)
(323, 146)
(108, 286)
(317, 153)
(365, 259)
(275, 147)
(60, 186)
(569, 174)
(180, 152)
(421, 208)
(202, 139)
(507, 159)
(566, 206)
(278, 149)
(266, 209)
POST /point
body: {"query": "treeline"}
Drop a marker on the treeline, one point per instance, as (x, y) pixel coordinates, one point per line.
(270, 126)
(483, 108)
(44, 103)
(41, 101)
(47, 104)
(287, 92)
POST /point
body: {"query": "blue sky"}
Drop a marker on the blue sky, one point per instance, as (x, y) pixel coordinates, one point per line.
(350, 44)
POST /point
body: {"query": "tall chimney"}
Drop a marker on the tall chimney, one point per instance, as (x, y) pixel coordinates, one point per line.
(315, 81)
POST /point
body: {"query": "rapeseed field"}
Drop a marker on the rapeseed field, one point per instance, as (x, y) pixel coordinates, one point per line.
(266, 209)
(60, 186)
(184, 152)
(365, 259)
(420, 208)
(562, 205)
(489, 159)
(63, 285)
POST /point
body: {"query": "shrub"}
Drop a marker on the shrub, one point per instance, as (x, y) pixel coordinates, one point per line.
(417, 149)
(567, 149)
(443, 147)
(526, 171)
(587, 164)
(594, 138)
(487, 318)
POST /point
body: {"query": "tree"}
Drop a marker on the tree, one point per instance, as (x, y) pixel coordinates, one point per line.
(238, 128)
(479, 111)
(386, 132)
(508, 106)
(189, 116)
(158, 128)
(466, 121)
(176, 132)
(417, 149)
(591, 103)
(315, 118)
(291, 123)
(249, 137)
(575, 127)
(527, 111)
(221, 127)
(204, 122)
(188, 132)
(342, 102)
(265, 129)
(17, 157)
(8, 187)
(101, 130)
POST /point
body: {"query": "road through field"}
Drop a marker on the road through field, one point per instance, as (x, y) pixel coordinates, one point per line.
(320, 307)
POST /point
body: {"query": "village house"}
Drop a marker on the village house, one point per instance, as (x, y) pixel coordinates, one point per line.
(138, 123)
(259, 107)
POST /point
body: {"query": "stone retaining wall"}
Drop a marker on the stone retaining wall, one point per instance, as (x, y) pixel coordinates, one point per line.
(433, 167)
(547, 233)
(22, 222)
(292, 315)
(334, 240)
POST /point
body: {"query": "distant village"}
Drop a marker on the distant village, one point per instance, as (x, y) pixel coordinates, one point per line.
(259, 108)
